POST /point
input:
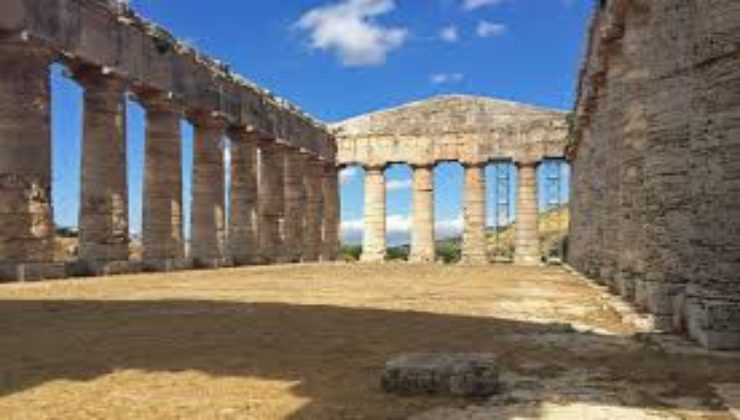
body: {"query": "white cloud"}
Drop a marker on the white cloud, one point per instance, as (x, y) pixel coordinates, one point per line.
(477, 4)
(399, 184)
(398, 227)
(346, 175)
(448, 228)
(349, 29)
(446, 78)
(449, 34)
(490, 29)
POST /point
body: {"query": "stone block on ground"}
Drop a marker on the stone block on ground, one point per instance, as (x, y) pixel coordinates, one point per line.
(455, 374)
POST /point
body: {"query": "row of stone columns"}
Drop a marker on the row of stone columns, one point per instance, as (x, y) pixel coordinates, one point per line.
(474, 242)
(283, 201)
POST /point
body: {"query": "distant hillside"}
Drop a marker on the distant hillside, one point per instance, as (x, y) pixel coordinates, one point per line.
(553, 231)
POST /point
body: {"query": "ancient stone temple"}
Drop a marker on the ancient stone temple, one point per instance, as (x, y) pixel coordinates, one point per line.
(279, 154)
(473, 131)
(656, 161)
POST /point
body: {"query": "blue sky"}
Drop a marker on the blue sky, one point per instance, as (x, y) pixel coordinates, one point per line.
(341, 58)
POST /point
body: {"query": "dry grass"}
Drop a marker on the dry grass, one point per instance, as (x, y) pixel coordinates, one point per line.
(309, 342)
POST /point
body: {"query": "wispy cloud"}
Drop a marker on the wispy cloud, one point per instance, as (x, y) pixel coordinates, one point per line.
(488, 29)
(350, 30)
(477, 4)
(446, 78)
(399, 184)
(449, 34)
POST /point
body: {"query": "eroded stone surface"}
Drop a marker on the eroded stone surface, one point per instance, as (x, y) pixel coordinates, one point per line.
(657, 163)
(463, 374)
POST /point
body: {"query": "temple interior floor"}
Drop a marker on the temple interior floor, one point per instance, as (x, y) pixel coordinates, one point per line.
(310, 342)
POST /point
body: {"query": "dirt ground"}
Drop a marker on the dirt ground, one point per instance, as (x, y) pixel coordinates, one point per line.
(309, 342)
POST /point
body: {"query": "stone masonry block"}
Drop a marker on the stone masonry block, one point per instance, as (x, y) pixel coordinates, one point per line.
(465, 374)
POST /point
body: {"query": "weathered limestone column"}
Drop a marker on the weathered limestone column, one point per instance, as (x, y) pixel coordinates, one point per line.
(313, 221)
(271, 200)
(374, 241)
(208, 207)
(103, 222)
(330, 188)
(243, 199)
(295, 205)
(527, 251)
(26, 215)
(422, 230)
(162, 220)
(474, 212)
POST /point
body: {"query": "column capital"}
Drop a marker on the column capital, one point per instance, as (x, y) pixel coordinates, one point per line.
(473, 164)
(98, 77)
(242, 134)
(162, 101)
(208, 119)
(527, 163)
(375, 166)
(429, 165)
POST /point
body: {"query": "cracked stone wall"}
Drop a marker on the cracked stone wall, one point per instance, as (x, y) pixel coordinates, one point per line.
(656, 162)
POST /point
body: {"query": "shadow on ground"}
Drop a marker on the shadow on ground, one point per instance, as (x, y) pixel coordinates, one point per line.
(333, 354)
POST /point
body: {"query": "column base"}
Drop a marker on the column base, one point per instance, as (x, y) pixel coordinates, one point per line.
(474, 259)
(712, 320)
(422, 259)
(83, 268)
(212, 263)
(374, 258)
(166, 265)
(244, 260)
(22, 272)
(528, 260)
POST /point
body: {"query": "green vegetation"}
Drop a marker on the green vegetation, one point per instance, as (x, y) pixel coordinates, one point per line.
(398, 253)
(351, 253)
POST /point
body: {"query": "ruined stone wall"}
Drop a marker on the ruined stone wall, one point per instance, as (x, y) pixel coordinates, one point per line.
(656, 162)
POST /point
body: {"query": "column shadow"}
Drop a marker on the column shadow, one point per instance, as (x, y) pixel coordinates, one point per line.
(334, 354)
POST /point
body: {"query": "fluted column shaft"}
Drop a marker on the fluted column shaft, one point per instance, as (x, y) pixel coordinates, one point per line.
(330, 188)
(374, 242)
(208, 222)
(162, 218)
(474, 215)
(243, 198)
(295, 205)
(422, 230)
(103, 222)
(527, 250)
(26, 216)
(271, 200)
(313, 224)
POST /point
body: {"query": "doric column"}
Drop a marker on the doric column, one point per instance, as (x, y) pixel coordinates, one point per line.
(26, 216)
(374, 242)
(207, 233)
(527, 250)
(103, 222)
(243, 198)
(312, 238)
(271, 200)
(162, 218)
(330, 187)
(474, 215)
(422, 230)
(295, 205)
